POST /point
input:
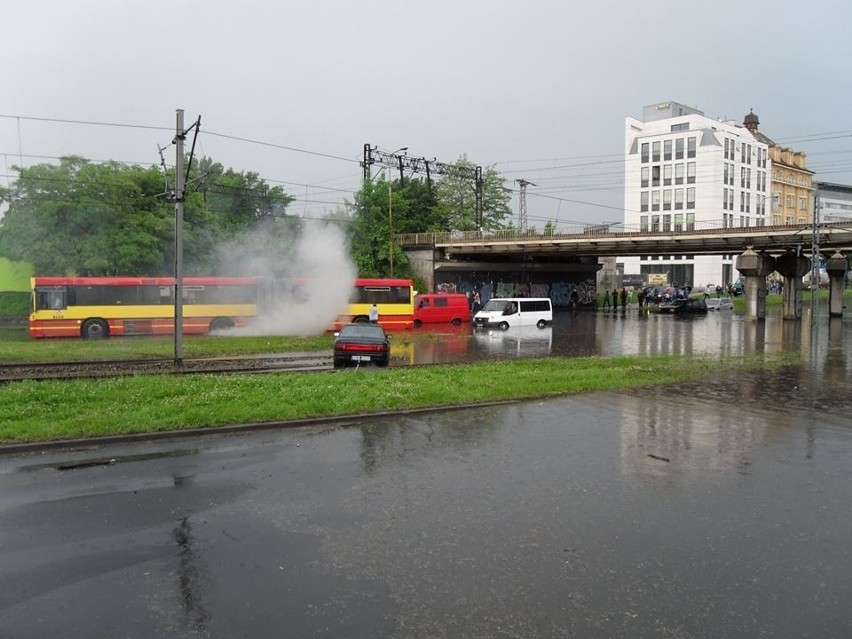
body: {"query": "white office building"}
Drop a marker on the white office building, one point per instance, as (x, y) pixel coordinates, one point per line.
(835, 202)
(685, 171)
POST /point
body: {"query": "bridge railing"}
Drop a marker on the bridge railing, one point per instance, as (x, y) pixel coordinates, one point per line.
(596, 230)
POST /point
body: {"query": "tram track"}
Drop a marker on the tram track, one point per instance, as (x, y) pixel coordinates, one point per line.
(122, 368)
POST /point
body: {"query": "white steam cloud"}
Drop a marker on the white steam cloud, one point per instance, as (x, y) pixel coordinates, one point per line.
(313, 278)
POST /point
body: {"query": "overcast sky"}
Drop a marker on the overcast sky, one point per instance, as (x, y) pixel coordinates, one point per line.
(540, 89)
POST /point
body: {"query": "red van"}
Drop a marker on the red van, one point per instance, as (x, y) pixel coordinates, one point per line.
(441, 307)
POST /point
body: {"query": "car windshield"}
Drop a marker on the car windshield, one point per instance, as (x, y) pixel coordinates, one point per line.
(496, 305)
(362, 330)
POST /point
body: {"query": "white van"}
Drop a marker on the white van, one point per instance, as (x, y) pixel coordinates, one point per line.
(504, 312)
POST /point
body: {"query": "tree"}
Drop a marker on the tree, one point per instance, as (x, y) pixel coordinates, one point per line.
(370, 230)
(78, 217)
(457, 200)
(82, 218)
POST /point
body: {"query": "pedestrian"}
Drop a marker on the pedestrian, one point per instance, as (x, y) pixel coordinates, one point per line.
(606, 299)
(374, 314)
(477, 302)
(614, 300)
(623, 299)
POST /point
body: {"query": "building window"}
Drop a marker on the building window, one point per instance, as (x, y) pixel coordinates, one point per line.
(655, 152)
(683, 126)
(667, 200)
(748, 178)
(731, 175)
(678, 173)
(667, 223)
(802, 204)
(748, 154)
(690, 221)
(655, 224)
(690, 147)
(730, 199)
(644, 179)
(679, 149)
(667, 151)
(667, 174)
(678, 222)
(743, 153)
(748, 203)
(655, 200)
(644, 201)
(655, 175)
(645, 148)
(742, 202)
(725, 176)
(678, 199)
(690, 172)
(789, 201)
(690, 198)
(725, 199)
(643, 223)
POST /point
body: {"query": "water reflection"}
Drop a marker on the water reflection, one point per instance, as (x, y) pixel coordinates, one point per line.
(632, 333)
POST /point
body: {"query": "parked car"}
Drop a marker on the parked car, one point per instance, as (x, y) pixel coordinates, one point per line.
(694, 306)
(361, 343)
(719, 303)
(441, 307)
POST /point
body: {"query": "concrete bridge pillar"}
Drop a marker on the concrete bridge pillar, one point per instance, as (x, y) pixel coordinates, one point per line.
(792, 267)
(836, 267)
(755, 267)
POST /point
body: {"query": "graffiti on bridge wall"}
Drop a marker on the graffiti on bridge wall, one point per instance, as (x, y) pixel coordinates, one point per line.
(562, 294)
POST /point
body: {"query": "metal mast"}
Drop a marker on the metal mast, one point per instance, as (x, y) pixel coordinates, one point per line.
(522, 203)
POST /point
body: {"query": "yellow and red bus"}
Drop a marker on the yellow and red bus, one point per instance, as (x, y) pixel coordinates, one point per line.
(104, 306)
(394, 299)
(114, 306)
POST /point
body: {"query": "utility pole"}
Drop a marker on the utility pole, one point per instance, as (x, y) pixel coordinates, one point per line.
(180, 136)
(522, 203)
(815, 255)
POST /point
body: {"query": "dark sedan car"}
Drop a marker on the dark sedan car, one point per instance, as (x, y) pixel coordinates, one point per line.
(693, 306)
(358, 344)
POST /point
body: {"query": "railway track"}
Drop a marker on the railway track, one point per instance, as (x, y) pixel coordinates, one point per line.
(117, 368)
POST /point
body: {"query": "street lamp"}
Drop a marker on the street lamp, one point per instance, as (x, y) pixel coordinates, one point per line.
(390, 212)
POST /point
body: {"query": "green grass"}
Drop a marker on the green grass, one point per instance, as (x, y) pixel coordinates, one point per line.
(52, 410)
(24, 349)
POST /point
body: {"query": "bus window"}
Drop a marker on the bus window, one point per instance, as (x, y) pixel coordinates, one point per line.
(51, 298)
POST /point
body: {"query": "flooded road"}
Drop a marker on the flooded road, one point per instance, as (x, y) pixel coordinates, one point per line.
(632, 332)
(711, 509)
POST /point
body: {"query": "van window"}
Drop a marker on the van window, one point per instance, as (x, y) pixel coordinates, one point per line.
(441, 302)
(535, 306)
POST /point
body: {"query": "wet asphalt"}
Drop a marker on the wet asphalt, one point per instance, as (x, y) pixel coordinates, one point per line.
(718, 509)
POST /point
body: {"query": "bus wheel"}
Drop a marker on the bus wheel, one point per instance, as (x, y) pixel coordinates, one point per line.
(456, 321)
(94, 329)
(221, 324)
(503, 326)
(541, 323)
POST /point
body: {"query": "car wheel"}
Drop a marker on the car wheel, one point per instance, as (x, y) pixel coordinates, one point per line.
(456, 321)
(503, 326)
(541, 323)
(417, 323)
(221, 324)
(94, 329)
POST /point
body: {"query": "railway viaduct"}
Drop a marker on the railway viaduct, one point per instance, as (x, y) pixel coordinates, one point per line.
(761, 250)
